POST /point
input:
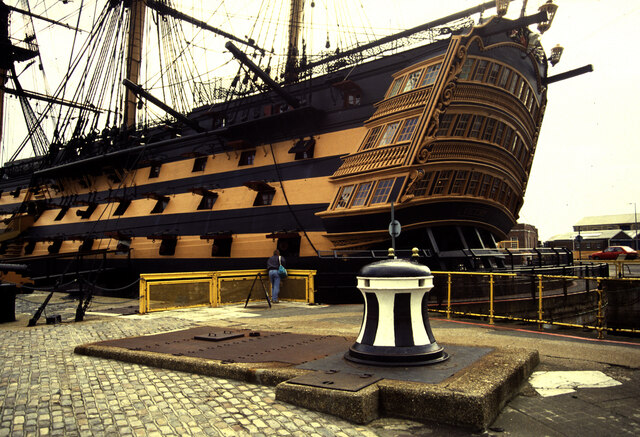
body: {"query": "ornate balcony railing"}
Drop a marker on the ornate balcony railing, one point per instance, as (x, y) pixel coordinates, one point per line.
(373, 159)
(401, 102)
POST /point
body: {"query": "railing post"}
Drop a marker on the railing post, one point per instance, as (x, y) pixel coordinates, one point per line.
(491, 321)
(448, 295)
(600, 316)
(143, 296)
(540, 302)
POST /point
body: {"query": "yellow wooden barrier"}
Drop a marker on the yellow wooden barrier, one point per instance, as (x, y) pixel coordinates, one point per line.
(167, 291)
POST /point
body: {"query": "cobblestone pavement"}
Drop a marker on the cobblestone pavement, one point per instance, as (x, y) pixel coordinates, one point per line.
(45, 389)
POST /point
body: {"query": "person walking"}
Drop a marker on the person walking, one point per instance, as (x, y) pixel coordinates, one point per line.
(273, 264)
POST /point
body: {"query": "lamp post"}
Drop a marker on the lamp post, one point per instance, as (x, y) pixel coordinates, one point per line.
(635, 219)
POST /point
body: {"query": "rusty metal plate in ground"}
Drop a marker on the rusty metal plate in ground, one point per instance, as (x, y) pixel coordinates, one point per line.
(336, 380)
(285, 347)
(216, 336)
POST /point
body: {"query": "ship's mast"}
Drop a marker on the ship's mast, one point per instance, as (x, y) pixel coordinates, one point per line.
(4, 40)
(293, 53)
(3, 81)
(134, 56)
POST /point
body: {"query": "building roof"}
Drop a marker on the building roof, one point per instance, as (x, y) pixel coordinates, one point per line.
(613, 219)
(593, 235)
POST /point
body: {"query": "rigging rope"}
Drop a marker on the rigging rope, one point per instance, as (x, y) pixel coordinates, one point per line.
(295, 217)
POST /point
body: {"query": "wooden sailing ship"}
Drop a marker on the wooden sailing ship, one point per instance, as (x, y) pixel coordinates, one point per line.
(310, 163)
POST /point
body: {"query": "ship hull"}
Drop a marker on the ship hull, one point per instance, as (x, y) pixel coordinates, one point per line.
(445, 132)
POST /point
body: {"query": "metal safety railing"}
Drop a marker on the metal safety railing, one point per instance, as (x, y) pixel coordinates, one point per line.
(623, 268)
(601, 304)
(167, 291)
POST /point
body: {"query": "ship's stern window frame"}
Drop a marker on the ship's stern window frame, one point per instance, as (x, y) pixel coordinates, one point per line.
(344, 196)
(461, 125)
(422, 186)
(503, 82)
(381, 192)
(494, 73)
(431, 74)
(489, 128)
(247, 157)
(473, 184)
(371, 138)
(481, 69)
(408, 127)
(412, 80)
(476, 126)
(395, 87)
(389, 133)
(362, 194)
(441, 184)
(467, 69)
(445, 124)
(459, 182)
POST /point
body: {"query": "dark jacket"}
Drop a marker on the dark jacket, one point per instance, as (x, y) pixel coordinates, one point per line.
(273, 264)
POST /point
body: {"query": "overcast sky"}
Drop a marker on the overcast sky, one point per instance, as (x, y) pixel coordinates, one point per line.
(587, 154)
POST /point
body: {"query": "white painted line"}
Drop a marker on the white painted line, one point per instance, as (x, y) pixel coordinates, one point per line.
(557, 383)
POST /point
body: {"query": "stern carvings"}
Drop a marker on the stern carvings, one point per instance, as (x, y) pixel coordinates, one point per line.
(446, 96)
(414, 178)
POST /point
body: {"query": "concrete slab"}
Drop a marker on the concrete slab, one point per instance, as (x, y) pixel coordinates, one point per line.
(460, 357)
(470, 395)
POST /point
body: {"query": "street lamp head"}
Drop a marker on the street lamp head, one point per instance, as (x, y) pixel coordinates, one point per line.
(550, 8)
(556, 54)
(501, 7)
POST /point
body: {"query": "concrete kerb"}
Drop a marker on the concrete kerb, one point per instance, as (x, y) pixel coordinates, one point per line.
(360, 407)
(270, 374)
(472, 397)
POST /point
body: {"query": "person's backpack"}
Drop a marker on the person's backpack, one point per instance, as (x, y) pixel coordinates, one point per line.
(282, 272)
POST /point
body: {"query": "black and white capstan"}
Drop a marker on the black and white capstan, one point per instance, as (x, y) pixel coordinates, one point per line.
(395, 328)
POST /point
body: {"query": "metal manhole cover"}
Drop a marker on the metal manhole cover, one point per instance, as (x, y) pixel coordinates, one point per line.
(336, 380)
